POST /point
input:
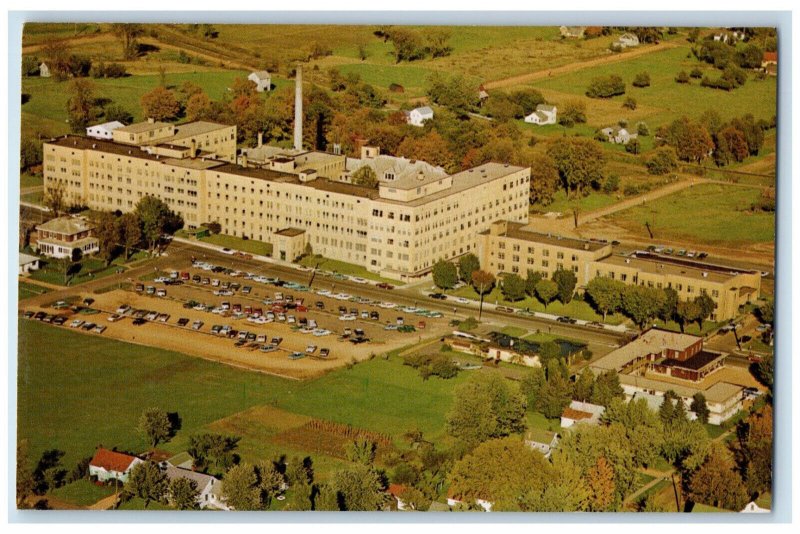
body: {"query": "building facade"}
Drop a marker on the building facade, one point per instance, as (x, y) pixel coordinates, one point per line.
(399, 229)
(57, 238)
(507, 247)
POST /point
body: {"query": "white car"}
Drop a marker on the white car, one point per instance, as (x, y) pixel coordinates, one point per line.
(387, 305)
(462, 300)
(319, 332)
(227, 251)
(123, 309)
(358, 280)
(410, 309)
(342, 296)
(115, 317)
(76, 323)
(324, 292)
(200, 307)
(347, 317)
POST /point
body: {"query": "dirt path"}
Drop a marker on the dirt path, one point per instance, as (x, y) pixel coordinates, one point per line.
(70, 41)
(105, 503)
(633, 497)
(572, 67)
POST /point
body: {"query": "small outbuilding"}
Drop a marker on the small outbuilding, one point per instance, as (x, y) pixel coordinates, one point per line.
(544, 114)
(27, 263)
(581, 413)
(103, 131)
(262, 79)
(418, 116)
(44, 70)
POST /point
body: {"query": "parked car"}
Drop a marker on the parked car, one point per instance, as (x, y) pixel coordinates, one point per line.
(384, 285)
(197, 325)
(438, 296)
(59, 320)
(88, 326)
(311, 349)
(324, 353)
(99, 329)
(114, 317)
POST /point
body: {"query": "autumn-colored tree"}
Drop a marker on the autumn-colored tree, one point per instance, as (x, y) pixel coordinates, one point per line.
(482, 282)
(544, 178)
(731, 145)
(691, 140)
(198, 107)
(431, 148)
(57, 56)
(717, 483)
(160, 104)
(127, 34)
(107, 232)
(753, 450)
(600, 481)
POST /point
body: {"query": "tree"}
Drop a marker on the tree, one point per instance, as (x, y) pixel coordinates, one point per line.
(642, 303)
(605, 87)
(358, 488)
(753, 450)
(115, 112)
(499, 471)
(438, 42)
(532, 278)
(455, 93)
(705, 307)
(183, 494)
(445, 274)
(365, 176)
(566, 282)
(361, 451)
(407, 45)
(682, 77)
(24, 479)
(700, 407)
(131, 231)
(482, 282)
(546, 291)
(156, 218)
(557, 392)
(691, 140)
(271, 482)
(513, 287)
(731, 145)
(605, 294)
(580, 162)
(662, 161)
(686, 312)
(717, 483)
(57, 56)
(572, 112)
(641, 80)
(198, 107)
(240, 488)
(600, 482)
(544, 178)
(607, 388)
(155, 424)
(486, 406)
(468, 264)
(127, 34)
(216, 448)
(160, 104)
(107, 232)
(147, 481)
(633, 146)
(766, 312)
(80, 105)
(584, 385)
(531, 386)
(30, 153)
(430, 147)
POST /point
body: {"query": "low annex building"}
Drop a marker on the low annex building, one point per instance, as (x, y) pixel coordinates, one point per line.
(544, 114)
(103, 131)
(209, 488)
(57, 238)
(109, 465)
(584, 413)
(659, 361)
(508, 247)
(728, 287)
(27, 263)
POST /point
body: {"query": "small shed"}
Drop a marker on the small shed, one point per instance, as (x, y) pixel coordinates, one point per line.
(27, 263)
(44, 70)
(262, 79)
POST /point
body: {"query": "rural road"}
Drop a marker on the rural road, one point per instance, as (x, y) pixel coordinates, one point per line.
(104, 504)
(572, 67)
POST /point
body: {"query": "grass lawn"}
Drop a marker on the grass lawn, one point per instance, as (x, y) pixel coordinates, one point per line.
(138, 503)
(37, 197)
(82, 492)
(575, 308)
(340, 267)
(105, 376)
(237, 243)
(664, 100)
(593, 201)
(514, 331)
(539, 421)
(720, 214)
(90, 269)
(714, 431)
(28, 290)
(30, 180)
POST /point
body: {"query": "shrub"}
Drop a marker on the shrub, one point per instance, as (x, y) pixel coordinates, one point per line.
(611, 184)
(642, 129)
(630, 190)
(606, 87)
(630, 103)
(696, 73)
(682, 77)
(633, 147)
(440, 365)
(641, 80)
(662, 162)
(470, 323)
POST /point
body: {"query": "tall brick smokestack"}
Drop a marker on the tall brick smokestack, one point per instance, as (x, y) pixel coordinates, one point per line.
(298, 109)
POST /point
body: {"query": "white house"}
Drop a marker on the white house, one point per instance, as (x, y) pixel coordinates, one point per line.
(103, 131)
(108, 465)
(544, 114)
(262, 79)
(753, 508)
(418, 116)
(627, 40)
(27, 263)
(581, 413)
(619, 136)
(209, 488)
(57, 238)
(575, 32)
(453, 500)
(542, 441)
(44, 70)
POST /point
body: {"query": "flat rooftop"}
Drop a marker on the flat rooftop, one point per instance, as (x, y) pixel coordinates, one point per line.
(146, 126)
(190, 129)
(695, 363)
(651, 342)
(659, 265)
(718, 392)
(100, 145)
(517, 231)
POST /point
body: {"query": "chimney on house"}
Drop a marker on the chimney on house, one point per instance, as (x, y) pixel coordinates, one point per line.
(298, 109)
(151, 120)
(243, 159)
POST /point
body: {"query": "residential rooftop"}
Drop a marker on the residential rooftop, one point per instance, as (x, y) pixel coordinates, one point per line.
(66, 225)
(652, 341)
(190, 129)
(144, 126)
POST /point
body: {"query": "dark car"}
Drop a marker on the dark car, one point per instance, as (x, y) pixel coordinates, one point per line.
(276, 340)
(359, 340)
(59, 320)
(320, 305)
(384, 285)
(567, 320)
(196, 278)
(39, 315)
(88, 326)
(28, 314)
(138, 322)
(374, 316)
(438, 296)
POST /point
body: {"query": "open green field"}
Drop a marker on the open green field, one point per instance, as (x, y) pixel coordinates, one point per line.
(30, 180)
(28, 290)
(82, 492)
(707, 213)
(77, 392)
(593, 201)
(90, 269)
(666, 100)
(340, 267)
(48, 97)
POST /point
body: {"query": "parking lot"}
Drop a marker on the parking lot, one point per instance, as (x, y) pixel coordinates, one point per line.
(264, 324)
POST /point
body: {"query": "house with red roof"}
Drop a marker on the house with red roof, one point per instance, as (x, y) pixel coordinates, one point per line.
(770, 62)
(396, 490)
(108, 465)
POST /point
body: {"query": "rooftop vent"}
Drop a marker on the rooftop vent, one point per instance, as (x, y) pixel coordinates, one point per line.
(627, 260)
(705, 274)
(94, 145)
